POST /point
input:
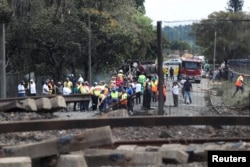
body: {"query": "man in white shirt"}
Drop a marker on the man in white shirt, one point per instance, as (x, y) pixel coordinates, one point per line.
(80, 79)
(175, 92)
(183, 80)
(138, 88)
(21, 89)
(45, 88)
(32, 87)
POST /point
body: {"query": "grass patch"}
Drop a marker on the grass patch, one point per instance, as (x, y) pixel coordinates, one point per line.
(240, 100)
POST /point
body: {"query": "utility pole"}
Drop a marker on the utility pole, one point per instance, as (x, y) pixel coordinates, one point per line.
(90, 70)
(2, 62)
(214, 53)
(160, 72)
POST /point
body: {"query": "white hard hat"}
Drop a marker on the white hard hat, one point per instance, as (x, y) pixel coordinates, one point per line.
(121, 71)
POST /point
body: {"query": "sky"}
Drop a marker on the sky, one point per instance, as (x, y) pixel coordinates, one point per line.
(182, 10)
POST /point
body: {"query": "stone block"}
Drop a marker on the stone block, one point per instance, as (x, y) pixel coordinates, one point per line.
(15, 162)
(71, 160)
(173, 154)
(103, 157)
(58, 102)
(43, 104)
(29, 104)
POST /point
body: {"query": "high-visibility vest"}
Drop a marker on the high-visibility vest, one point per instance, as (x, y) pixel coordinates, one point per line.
(142, 79)
(83, 89)
(124, 99)
(154, 86)
(239, 81)
(97, 90)
(114, 95)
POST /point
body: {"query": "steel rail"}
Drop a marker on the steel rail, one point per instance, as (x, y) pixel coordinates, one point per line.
(68, 98)
(42, 125)
(159, 142)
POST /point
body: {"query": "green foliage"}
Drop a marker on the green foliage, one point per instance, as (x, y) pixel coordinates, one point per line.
(232, 35)
(55, 35)
(5, 12)
(235, 5)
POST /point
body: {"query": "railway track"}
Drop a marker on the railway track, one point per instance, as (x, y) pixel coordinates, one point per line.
(135, 121)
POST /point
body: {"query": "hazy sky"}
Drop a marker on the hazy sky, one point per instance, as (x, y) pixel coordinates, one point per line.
(179, 10)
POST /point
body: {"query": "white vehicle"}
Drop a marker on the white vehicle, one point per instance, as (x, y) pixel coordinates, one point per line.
(172, 62)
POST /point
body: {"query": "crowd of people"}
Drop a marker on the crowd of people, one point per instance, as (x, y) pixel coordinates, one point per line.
(121, 92)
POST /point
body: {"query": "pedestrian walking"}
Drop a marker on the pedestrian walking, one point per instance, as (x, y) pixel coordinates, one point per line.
(171, 73)
(187, 89)
(183, 80)
(239, 84)
(175, 92)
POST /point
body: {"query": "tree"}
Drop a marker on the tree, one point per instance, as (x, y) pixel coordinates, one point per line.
(235, 5)
(5, 12)
(232, 35)
(55, 35)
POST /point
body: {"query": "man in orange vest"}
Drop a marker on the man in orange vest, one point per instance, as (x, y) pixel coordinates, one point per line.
(239, 84)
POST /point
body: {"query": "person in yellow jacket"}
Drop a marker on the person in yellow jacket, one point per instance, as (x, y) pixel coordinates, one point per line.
(84, 90)
(124, 100)
(68, 84)
(239, 84)
(102, 102)
(154, 89)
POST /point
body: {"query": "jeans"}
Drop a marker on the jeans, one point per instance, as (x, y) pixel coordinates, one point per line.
(187, 94)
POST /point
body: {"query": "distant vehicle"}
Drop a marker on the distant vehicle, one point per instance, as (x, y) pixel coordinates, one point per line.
(191, 68)
(172, 62)
(135, 67)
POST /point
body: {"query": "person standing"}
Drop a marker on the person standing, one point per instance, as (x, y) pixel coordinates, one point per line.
(175, 92)
(171, 73)
(32, 88)
(166, 73)
(68, 84)
(124, 100)
(138, 92)
(130, 93)
(21, 89)
(231, 76)
(59, 88)
(142, 81)
(154, 89)
(147, 95)
(239, 84)
(80, 79)
(46, 88)
(183, 80)
(187, 89)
